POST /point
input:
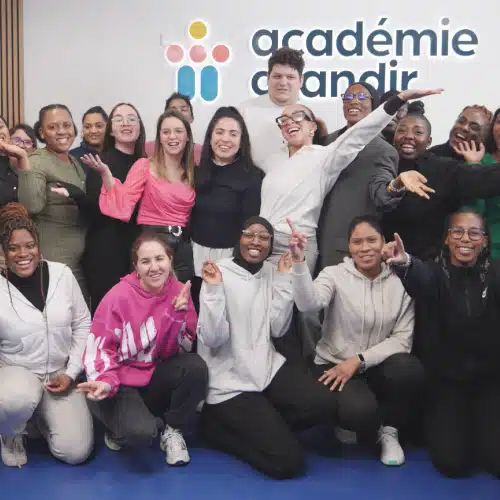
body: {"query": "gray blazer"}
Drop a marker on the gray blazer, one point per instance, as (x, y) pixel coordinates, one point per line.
(350, 197)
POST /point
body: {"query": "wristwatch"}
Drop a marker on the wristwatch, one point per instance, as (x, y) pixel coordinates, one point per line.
(362, 366)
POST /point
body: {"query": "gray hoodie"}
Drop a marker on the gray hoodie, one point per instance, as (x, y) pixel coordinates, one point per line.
(236, 322)
(374, 318)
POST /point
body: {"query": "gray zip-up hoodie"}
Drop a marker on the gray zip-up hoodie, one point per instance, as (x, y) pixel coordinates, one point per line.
(374, 318)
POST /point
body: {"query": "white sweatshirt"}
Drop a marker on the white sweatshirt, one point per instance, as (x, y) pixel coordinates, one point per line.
(296, 186)
(374, 318)
(266, 140)
(236, 322)
(50, 341)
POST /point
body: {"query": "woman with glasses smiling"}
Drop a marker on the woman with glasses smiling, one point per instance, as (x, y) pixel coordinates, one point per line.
(460, 344)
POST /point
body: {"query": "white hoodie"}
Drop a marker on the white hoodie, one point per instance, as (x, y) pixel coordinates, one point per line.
(236, 321)
(50, 341)
(374, 318)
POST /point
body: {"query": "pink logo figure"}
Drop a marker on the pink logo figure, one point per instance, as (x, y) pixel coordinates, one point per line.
(196, 55)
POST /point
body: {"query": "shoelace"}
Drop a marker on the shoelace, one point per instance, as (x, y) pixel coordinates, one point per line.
(175, 440)
(386, 434)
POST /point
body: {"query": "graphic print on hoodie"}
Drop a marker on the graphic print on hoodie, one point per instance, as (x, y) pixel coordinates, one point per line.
(370, 317)
(133, 329)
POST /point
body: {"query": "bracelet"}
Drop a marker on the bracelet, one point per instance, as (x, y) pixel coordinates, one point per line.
(395, 190)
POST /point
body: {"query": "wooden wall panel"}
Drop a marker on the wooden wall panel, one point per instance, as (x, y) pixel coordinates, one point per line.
(11, 61)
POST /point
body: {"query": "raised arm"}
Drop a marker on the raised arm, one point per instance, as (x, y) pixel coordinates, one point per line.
(32, 183)
(282, 301)
(345, 149)
(213, 326)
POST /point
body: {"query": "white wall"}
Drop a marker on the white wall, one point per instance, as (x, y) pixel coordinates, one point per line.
(99, 52)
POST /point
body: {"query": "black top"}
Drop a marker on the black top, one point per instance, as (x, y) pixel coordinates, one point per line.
(420, 222)
(8, 182)
(109, 240)
(459, 337)
(223, 203)
(83, 149)
(446, 151)
(34, 287)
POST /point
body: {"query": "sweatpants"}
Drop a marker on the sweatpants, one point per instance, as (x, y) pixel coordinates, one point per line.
(134, 415)
(462, 427)
(385, 394)
(64, 420)
(258, 427)
(300, 342)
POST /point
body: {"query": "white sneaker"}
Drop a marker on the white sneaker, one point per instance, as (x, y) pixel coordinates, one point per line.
(392, 453)
(173, 444)
(13, 451)
(345, 436)
(111, 443)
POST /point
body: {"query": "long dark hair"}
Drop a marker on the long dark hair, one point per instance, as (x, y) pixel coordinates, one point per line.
(109, 140)
(483, 259)
(204, 170)
(187, 161)
(490, 144)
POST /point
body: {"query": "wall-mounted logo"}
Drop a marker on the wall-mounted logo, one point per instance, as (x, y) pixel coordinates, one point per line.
(189, 81)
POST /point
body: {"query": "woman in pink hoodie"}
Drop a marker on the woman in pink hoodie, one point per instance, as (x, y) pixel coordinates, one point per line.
(141, 376)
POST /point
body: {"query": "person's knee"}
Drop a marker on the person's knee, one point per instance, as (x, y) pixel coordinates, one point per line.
(452, 465)
(18, 403)
(404, 372)
(73, 450)
(197, 371)
(287, 465)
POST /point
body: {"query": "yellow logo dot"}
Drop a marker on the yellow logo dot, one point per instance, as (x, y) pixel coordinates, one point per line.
(198, 30)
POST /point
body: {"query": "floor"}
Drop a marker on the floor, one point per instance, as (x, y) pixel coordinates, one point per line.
(334, 471)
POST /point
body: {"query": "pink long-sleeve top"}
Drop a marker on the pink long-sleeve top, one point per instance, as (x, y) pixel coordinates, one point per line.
(163, 203)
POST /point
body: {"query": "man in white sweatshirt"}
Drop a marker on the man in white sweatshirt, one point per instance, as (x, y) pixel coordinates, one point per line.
(284, 80)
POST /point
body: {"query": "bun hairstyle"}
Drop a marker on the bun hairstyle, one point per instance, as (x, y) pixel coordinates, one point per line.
(416, 108)
(41, 116)
(14, 217)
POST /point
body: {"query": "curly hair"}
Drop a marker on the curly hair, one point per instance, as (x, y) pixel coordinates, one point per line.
(287, 56)
(482, 109)
(14, 217)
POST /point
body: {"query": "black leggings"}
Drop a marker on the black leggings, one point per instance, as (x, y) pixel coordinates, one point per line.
(462, 427)
(385, 394)
(257, 427)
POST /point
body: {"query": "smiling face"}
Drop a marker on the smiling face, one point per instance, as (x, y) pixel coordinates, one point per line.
(23, 140)
(365, 247)
(23, 253)
(297, 126)
(357, 104)
(226, 140)
(125, 125)
(153, 266)
(466, 239)
(57, 130)
(471, 125)
(173, 136)
(94, 128)
(255, 244)
(182, 107)
(412, 137)
(4, 131)
(284, 84)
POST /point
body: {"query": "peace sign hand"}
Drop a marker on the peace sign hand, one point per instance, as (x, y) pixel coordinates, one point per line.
(181, 302)
(211, 273)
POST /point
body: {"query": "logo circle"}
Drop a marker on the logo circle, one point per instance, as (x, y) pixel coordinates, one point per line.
(198, 30)
(174, 53)
(220, 53)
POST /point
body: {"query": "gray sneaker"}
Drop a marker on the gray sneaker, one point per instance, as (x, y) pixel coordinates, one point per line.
(13, 451)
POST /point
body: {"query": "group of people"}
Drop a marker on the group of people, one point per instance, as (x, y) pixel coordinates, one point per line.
(273, 278)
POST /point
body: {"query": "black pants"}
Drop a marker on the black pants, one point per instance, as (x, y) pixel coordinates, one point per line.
(385, 394)
(182, 250)
(462, 427)
(134, 415)
(257, 427)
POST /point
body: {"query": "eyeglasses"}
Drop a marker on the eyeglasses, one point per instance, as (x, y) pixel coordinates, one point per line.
(457, 233)
(28, 143)
(264, 237)
(296, 117)
(361, 96)
(119, 119)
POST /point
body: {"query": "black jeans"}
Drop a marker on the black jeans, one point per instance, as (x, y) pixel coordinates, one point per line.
(181, 248)
(134, 415)
(385, 394)
(462, 426)
(257, 427)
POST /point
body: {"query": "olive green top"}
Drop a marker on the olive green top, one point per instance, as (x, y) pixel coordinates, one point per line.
(61, 227)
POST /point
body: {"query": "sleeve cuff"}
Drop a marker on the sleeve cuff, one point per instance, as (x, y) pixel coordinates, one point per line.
(300, 268)
(73, 371)
(393, 104)
(213, 290)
